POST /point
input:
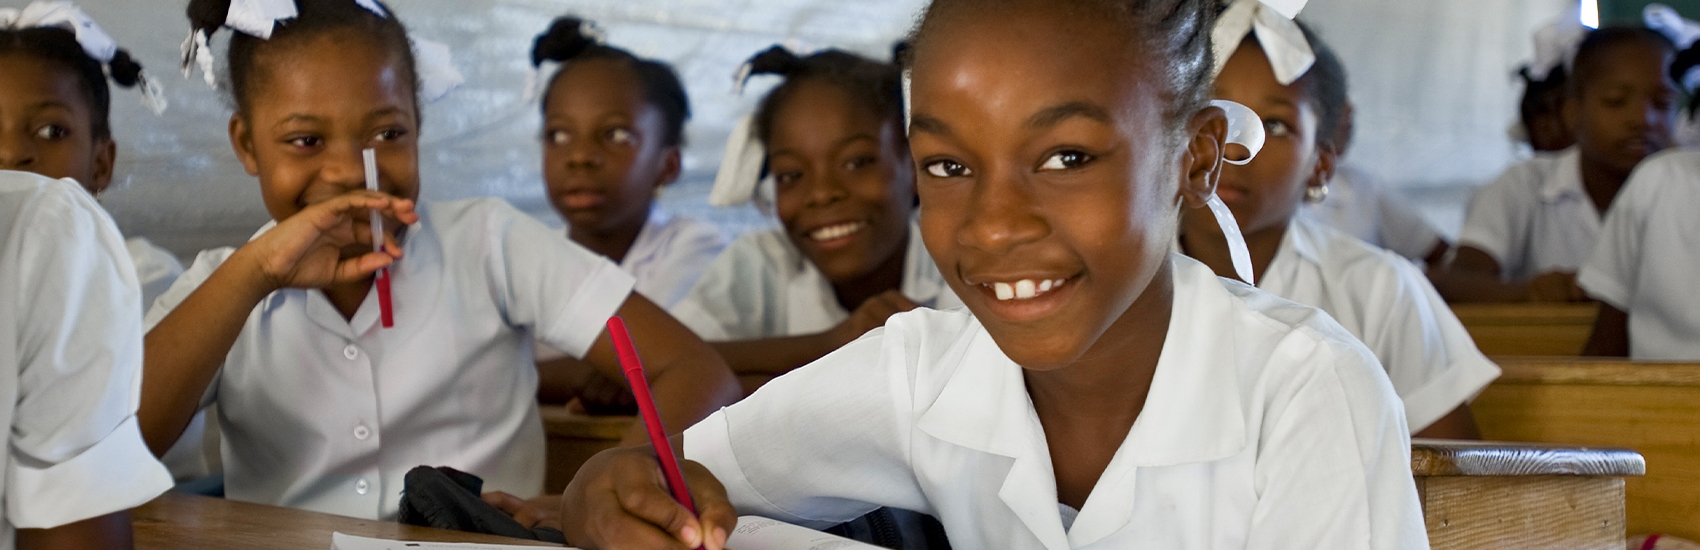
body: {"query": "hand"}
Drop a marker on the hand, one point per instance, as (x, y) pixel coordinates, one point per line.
(543, 511)
(306, 250)
(1556, 286)
(620, 500)
(871, 315)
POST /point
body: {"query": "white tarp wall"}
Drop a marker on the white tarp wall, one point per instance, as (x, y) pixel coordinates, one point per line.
(1431, 80)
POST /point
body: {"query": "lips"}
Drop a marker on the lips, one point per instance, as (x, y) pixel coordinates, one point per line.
(1022, 297)
(836, 231)
(581, 200)
(1024, 289)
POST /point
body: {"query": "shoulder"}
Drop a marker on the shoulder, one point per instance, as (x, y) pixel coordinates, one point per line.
(1357, 265)
(928, 345)
(1523, 179)
(35, 203)
(487, 211)
(1662, 171)
(766, 248)
(1280, 342)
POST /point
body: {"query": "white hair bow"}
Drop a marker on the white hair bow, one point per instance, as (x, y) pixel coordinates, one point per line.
(94, 40)
(739, 179)
(1245, 129)
(1684, 32)
(1283, 43)
(1556, 44)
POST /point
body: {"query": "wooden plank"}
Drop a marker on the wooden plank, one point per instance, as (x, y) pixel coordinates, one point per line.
(177, 521)
(573, 439)
(558, 421)
(1596, 371)
(1438, 457)
(1612, 406)
(1528, 329)
(1495, 512)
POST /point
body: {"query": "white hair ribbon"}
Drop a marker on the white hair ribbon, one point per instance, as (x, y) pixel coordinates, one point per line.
(1282, 40)
(1557, 42)
(94, 40)
(739, 178)
(437, 73)
(1682, 31)
(907, 102)
(1245, 129)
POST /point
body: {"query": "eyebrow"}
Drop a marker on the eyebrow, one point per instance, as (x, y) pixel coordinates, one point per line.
(48, 104)
(924, 123)
(835, 147)
(1051, 116)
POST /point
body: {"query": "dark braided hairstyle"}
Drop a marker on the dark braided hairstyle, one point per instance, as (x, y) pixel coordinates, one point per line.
(1541, 96)
(1176, 31)
(875, 85)
(1591, 54)
(315, 18)
(566, 42)
(59, 46)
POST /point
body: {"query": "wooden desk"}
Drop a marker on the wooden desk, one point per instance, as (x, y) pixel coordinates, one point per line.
(1520, 495)
(177, 521)
(573, 439)
(1653, 408)
(1528, 329)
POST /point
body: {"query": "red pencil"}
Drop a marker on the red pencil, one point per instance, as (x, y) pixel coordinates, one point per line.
(651, 419)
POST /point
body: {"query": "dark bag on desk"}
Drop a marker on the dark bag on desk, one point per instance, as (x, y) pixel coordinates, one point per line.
(447, 498)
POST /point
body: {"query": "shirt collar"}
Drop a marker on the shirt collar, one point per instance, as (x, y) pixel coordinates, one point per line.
(1300, 239)
(1564, 180)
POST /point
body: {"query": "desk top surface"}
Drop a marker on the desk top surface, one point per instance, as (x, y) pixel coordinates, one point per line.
(1442, 457)
(176, 521)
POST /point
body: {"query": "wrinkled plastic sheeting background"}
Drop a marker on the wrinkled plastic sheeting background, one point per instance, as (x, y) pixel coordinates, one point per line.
(1431, 79)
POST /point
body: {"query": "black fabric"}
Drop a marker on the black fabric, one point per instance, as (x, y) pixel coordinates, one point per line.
(895, 528)
(446, 498)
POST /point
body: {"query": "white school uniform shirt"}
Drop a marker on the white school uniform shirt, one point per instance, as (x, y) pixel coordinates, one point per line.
(670, 253)
(1535, 218)
(328, 414)
(70, 361)
(1359, 205)
(763, 287)
(1267, 426)
(156, 268)
(1648, 254)
(1387, 303)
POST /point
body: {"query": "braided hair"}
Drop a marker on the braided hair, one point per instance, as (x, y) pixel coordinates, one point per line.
(876, 85)
(567, 41)
(59, 46)
(314, 18)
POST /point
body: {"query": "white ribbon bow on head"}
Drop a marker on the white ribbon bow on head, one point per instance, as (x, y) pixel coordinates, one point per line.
(739, 178)
(1245, 129)
(1283, 43)
(1684, 32)
(94, 40)
(1556, 43)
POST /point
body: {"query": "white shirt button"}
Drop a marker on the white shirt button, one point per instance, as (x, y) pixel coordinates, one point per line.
(351, 352)
(362, 486)
(361, 432)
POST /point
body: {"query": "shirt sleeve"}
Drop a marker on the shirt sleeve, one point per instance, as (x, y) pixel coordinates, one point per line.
(692, 250)
(776, 460)
(76, 450)
(564, 292)
(156, 269)
(1431, 359)
(1608, 275)
(1334, 466)
(1498, 218)
(737, 297)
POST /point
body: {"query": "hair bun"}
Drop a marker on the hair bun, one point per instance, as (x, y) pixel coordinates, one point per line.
(565, 39)
(900, 53)
(125, 71)
(776, 61)
(208, 15)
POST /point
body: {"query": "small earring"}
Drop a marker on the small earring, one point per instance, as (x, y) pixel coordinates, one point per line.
(1315, 194)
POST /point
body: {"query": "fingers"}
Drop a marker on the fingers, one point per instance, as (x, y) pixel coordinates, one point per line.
(642, 493)
(514, 507)
(714, 510)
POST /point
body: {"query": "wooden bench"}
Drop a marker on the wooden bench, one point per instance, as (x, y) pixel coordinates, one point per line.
(573, 439)
(1653, 408)
(1492, 495)
(1528, 329)
(176, 521)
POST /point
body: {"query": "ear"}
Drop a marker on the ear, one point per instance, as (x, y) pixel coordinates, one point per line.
(672, 164)
(1201, 166)
(242, 141)
(105, 156)
(1327, 160)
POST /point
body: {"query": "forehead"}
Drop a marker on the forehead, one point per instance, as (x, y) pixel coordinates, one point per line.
(328, 72)
(820, 111)
(603, 83)
(1249, 79)
(31, 81)
(1629, 61)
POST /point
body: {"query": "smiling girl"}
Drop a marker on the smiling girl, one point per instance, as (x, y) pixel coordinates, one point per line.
(1142, 402)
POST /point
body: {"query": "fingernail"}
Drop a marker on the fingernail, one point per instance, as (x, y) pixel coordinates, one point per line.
(720, 537)
(690, 536)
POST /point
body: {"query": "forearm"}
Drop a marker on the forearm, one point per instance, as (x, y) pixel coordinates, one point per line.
(776, 356)
(185, 350)
(685, 395)
(1611, 334)
(108, 532)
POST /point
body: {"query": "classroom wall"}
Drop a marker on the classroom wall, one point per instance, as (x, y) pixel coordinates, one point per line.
(1431, 78)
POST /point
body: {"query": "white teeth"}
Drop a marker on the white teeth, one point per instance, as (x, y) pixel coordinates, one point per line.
(836, 231)
(1024, 289)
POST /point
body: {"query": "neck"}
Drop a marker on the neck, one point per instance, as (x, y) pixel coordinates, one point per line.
(613, 243)
(1206, 244)
(1601, 181)
(888, 275)
(1108, 384)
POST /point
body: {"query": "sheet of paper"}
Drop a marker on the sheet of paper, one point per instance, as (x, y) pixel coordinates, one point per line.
(757, 533)
(340, 541)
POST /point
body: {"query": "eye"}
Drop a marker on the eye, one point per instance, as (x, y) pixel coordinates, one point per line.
(1065, 160)
(53, 132)
(621, 136)
(947, 169)
(306, 142)
(1277, 128)
(786, 179)
(557, 137)
(391, 134)
(859, 163)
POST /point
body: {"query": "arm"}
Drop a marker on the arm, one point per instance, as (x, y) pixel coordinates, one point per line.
(686, 376)
(110, 532)
(1611, 334)
(779, 355)
(186, 349)
(1474, 276)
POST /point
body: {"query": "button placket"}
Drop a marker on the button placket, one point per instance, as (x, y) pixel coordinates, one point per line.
(361, 432)
(362, 486)
(351, 352)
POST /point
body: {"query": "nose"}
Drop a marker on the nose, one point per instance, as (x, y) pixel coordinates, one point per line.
(1001, 215)
(824, 190)
(346, 169)
(583, 154)
(17, 152)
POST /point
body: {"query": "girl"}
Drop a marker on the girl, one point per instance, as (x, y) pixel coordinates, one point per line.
(1360, 204)
(1378, 296)
(1136, 401)
(320, 407)
(613, 127)
(848, 254)
(55, 110)
(1526, 233)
